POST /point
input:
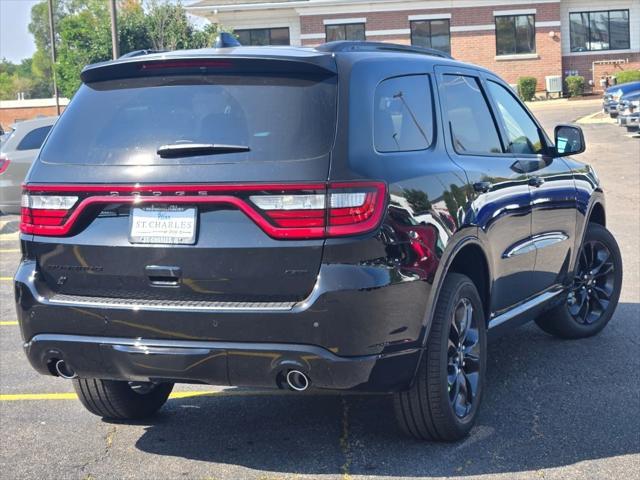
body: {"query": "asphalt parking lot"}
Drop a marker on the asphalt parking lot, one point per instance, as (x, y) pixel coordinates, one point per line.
(552, 409)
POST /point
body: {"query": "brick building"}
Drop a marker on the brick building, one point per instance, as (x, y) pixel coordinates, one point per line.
(514, 38)
(14, 111)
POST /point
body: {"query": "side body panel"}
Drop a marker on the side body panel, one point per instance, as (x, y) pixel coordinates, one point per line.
(427, 214)
(501, 208)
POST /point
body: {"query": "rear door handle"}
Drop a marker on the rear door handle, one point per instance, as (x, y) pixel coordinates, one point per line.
(482, 187)
(536, 181)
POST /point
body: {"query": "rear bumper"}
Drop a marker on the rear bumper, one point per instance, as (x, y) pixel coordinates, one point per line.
(217, 363)
(361, 328)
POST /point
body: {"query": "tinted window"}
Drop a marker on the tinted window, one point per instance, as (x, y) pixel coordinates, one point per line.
(431, 34)
(125, 121)
(472, 126)
(33, 140)
(522, 133)
(403, 118)
(263, 36)
(351, 31)
(515, 34)
(602, 30)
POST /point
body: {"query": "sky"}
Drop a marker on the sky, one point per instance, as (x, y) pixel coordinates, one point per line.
(16, 42)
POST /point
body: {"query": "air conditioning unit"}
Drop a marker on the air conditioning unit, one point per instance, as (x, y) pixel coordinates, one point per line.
(553, 83)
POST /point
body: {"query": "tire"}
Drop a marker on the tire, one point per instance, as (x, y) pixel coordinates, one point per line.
(571, 320)
(425, 411)
(118, 400)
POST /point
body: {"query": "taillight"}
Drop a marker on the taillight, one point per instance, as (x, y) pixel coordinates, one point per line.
(40, 212)
(283, 211)
(4, 164)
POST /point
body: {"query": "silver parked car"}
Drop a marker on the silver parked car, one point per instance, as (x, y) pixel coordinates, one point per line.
(18, 150)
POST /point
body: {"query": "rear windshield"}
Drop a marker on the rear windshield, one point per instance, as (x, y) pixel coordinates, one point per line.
(123, 122)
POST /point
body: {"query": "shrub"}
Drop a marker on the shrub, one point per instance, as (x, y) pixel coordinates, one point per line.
(627, 76)
(575, 85)
(527, 88)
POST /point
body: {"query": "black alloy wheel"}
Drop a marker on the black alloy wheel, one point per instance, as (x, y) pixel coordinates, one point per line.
(463, 358)
(594, 283)
(594, 292)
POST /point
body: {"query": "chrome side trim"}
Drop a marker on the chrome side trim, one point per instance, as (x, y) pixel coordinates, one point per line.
(163, 305)
(149, 350)
(523, 308)
(538, 241)
(548, 239)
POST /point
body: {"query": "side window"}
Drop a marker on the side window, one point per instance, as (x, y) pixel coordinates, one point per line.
(523, 135)
(473, 129)
(33, 140)
(403, 114)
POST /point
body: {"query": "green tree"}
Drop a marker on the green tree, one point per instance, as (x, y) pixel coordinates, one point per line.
(168, 25)
(133, 30)
(6, 86)
(85, 37)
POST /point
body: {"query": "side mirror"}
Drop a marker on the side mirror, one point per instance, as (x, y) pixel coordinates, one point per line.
(569, 140)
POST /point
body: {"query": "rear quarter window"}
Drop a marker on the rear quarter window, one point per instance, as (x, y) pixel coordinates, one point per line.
(33, 140)
(403, 114)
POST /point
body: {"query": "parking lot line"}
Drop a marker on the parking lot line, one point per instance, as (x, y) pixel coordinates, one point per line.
(6, 279)
(16, 397)
(8, 324)
(9, 250)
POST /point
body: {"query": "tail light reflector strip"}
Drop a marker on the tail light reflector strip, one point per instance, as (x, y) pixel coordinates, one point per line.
(283, 211)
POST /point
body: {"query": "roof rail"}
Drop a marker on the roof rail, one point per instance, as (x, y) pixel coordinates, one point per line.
(137, 53)
(355, 46)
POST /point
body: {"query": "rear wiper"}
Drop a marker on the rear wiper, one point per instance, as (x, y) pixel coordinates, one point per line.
(193, 149)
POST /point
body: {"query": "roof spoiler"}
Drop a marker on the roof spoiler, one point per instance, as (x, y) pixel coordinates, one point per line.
(352, 46)
(195, 63)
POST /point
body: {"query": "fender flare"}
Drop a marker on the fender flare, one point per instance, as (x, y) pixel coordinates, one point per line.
(597, 198)
(445, 265)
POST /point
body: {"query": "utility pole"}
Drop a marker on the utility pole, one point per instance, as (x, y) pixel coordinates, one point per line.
(52, 37)
(114, 30)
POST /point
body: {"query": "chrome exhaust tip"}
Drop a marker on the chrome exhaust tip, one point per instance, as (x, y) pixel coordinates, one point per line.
(297, 380)
(63, 370)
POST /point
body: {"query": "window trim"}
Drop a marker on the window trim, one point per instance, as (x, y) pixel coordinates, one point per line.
(344, 27)
(434, 121)
(429, 21)
(535, 44)
(235, 31)
(588, 13)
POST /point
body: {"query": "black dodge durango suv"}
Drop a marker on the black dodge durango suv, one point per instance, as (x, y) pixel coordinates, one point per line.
(356, 216)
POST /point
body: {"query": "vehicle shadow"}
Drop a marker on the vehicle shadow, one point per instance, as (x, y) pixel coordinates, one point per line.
(548, 403)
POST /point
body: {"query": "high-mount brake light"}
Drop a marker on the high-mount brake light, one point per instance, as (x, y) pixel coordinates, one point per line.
(186, 64)
(283, 211)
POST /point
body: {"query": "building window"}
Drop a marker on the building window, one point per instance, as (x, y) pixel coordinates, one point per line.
(263, 36)
(606, 30)
(347, 31)
(515, 34)
(431, 34)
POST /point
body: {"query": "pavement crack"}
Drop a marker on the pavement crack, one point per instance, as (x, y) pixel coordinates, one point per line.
(345, 445)
(108, 443)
